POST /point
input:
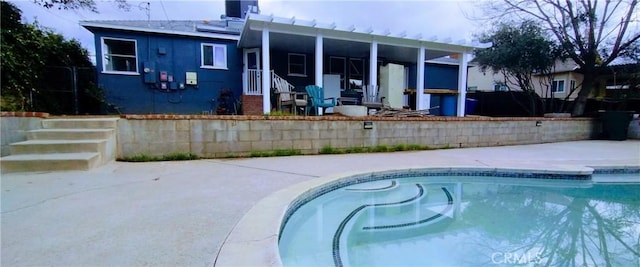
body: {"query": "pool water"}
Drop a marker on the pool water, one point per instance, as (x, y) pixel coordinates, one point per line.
(467, 221)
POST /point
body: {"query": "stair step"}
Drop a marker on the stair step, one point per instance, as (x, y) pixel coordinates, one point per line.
(69, 134)
(49, 162)
(80, 123)
(58, 146)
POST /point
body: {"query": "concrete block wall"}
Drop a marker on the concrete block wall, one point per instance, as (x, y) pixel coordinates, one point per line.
(15, 125)
(221, 136)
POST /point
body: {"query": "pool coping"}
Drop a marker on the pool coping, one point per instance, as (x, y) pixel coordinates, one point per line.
(253, 241)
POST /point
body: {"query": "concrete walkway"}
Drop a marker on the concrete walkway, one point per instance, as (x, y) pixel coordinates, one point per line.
(179, 213)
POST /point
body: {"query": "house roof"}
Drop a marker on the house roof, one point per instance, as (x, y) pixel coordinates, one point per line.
(219, 29)
(295, 34)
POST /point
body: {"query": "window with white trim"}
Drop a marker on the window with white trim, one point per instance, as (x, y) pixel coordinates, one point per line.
(557, 86)
(297, 65)
(120, 56)
(213, 56)
(572, 85)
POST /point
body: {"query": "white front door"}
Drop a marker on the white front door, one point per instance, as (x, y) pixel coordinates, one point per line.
(252, 82)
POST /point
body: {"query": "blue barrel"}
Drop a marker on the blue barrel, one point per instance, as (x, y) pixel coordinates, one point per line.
(448, 105)
(470, 105)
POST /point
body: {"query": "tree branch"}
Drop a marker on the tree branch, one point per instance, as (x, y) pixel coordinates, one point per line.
(617, 47)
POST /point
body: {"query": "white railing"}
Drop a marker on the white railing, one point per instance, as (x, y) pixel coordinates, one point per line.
(254, 83)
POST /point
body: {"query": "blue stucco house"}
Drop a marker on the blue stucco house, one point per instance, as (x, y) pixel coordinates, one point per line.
(195, 67)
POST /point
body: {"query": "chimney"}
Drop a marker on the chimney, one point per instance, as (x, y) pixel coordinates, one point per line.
(240, 8)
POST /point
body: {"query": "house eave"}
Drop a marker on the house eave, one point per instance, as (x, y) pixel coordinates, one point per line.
(225, 36)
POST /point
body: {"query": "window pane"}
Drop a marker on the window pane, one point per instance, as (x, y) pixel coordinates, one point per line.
(123, 64)
(297, 59)
(560, 86)
(207, 55)
(296, 69)
(120, 47)
(297, 64)
(221, 58)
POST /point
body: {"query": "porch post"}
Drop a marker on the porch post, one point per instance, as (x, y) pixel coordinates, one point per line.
(462, 83)
(319, 63)
(420, 97)
(318, 60)
(266, 72)
(373, 64)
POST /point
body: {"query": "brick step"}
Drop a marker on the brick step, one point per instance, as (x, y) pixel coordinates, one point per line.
(58, 146)
(49, 162)
(69, 134)
(80, 123)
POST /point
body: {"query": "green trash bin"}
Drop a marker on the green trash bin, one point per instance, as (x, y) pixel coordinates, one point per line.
(615, 124)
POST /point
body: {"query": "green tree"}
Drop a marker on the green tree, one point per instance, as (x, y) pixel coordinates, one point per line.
(592, 33)
(28, 54)
(518, 52)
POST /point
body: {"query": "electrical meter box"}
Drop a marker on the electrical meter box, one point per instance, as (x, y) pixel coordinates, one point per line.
(149, 72)
(164, 76)
(192, 78)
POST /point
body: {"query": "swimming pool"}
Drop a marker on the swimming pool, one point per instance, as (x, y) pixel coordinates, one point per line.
(465, 218)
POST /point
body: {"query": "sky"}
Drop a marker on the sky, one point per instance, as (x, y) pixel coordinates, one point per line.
(441, 18)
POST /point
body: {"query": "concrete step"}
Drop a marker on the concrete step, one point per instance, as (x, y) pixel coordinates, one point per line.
(49, 162)
(58, 146)
(80, 123)
(69, 134)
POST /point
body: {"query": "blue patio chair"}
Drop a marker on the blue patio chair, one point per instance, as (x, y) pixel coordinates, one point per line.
(316, 99)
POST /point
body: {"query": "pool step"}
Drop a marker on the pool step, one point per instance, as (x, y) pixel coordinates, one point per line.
(435, 204)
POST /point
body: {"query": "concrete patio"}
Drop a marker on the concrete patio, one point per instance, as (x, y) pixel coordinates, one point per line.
(180, 213)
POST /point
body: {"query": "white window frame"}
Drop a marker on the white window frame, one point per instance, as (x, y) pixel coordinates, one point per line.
(304, 62)
(213, 56)
(572, 85)
(555, 90)
(105, 55)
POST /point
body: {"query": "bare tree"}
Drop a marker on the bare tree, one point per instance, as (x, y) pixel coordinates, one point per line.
(593, 34)
(78, 4)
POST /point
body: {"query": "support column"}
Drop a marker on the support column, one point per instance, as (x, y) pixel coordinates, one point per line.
(319, 63)
(373, 64)
(462, 83)
(319, 59)
(420, 97)
(266, 72)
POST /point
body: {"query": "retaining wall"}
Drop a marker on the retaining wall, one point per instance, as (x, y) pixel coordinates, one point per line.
(222, 136)
(14, 127)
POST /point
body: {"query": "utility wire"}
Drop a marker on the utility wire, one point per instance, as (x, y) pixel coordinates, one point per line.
(163, 10)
